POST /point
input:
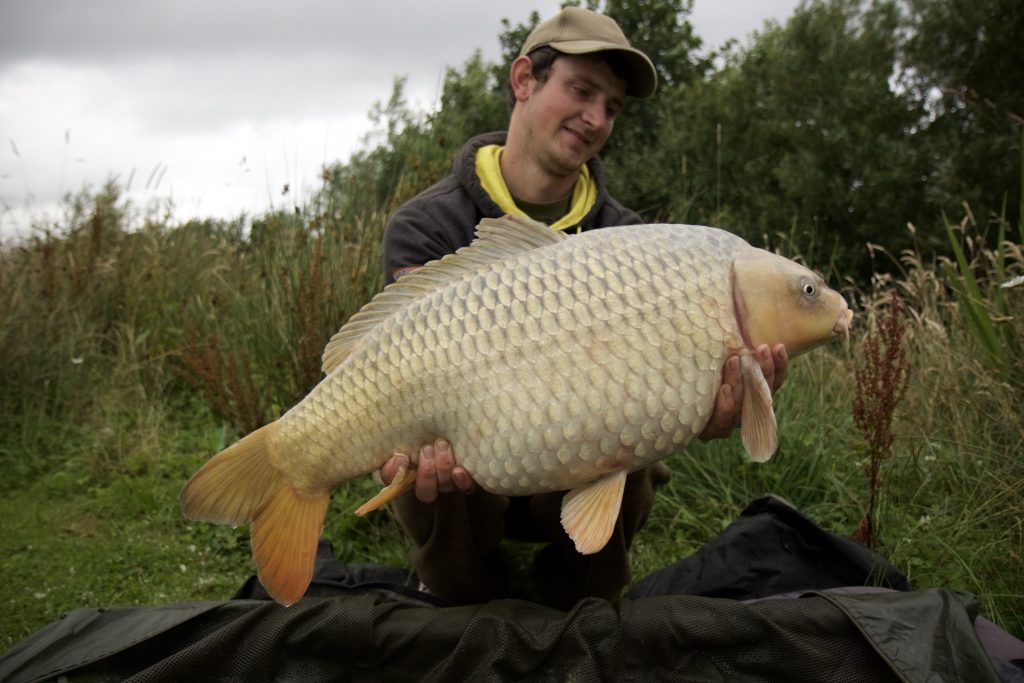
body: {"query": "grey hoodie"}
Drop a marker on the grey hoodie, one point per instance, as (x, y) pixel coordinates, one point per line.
(444, 217)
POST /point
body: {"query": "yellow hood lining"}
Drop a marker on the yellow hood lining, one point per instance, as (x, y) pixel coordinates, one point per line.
(488, 169)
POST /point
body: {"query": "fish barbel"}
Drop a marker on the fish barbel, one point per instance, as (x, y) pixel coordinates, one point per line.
(549, 362)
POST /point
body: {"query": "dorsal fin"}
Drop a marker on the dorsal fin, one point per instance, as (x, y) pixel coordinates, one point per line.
(497, 239)
(515, 234)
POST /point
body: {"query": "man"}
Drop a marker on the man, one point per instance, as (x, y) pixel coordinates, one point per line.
(568, 86)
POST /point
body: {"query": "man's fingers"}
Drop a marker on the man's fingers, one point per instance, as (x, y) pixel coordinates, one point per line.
(767, 363)
(727, 403)
(426, 475)
(391, 467)
(436, 471)
(781, 361)
(726, 409)
(734, 377)
(444, 462)
(463, 481)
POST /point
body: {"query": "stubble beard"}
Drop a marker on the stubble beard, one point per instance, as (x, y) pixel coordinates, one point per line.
(565, 154)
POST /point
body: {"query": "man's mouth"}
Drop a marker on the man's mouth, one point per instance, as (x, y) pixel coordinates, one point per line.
(579, 137)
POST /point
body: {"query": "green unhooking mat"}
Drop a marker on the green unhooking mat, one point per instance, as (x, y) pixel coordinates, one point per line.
(916, 636)
(762, 601)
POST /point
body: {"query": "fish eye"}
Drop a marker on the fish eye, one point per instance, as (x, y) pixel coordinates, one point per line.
(809, 289)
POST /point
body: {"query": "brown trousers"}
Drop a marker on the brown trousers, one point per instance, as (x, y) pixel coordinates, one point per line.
(456, 543)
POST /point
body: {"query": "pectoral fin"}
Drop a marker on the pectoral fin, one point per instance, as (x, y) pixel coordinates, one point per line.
(758, 428)
(404, 479)
(589, 512)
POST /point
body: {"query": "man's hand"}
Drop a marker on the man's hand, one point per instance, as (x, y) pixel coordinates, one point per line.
(436, 472)
(729, 402)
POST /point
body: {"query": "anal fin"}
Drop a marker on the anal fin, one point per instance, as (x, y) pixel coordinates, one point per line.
(589, 512)
(758, 428)
(404, 479)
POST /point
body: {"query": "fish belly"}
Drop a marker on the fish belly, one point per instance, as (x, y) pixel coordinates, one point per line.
(600, 353)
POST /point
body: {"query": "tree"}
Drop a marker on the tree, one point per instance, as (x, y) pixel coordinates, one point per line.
(803, 135)
(964, 59)
(832, 130)
(635, 156)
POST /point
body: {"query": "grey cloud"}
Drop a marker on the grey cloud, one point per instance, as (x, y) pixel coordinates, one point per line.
(109, 30)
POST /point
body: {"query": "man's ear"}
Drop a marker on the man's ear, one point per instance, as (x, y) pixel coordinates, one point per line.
(521, 77)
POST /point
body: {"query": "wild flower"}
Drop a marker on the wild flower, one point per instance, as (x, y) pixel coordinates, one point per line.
(882, 378)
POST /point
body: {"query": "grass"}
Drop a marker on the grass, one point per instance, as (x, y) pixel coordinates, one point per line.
(92, 534)
(131, 350)
(87, 534)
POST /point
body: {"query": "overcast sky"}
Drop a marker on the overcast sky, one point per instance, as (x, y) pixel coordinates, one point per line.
(217, 104)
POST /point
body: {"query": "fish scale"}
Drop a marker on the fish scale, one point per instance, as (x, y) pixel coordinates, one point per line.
(549, 363)
(605, 306)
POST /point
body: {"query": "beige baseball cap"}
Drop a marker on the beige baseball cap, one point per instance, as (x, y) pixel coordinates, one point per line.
(578, 31)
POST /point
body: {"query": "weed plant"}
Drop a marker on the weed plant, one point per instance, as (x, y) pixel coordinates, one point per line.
(881, 379)
(133, 348)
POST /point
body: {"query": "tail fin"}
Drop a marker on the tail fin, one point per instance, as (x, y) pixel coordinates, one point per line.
(240, 485)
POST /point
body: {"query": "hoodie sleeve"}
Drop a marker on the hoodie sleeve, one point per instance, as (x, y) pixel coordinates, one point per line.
(433, 224)
(410, 241)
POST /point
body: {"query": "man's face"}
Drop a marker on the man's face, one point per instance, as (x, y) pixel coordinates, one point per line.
(570, 116)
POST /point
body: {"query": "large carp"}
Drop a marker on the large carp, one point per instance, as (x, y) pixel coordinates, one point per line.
(550, 363)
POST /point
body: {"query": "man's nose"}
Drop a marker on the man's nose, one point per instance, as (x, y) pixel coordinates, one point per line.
(595, 115)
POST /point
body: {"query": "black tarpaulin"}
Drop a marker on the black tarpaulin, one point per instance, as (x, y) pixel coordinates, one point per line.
(364, 623)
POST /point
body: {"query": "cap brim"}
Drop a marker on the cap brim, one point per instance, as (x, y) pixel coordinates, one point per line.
(643, 78)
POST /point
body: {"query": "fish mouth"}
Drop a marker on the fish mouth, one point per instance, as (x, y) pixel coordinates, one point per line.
(842, 326)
